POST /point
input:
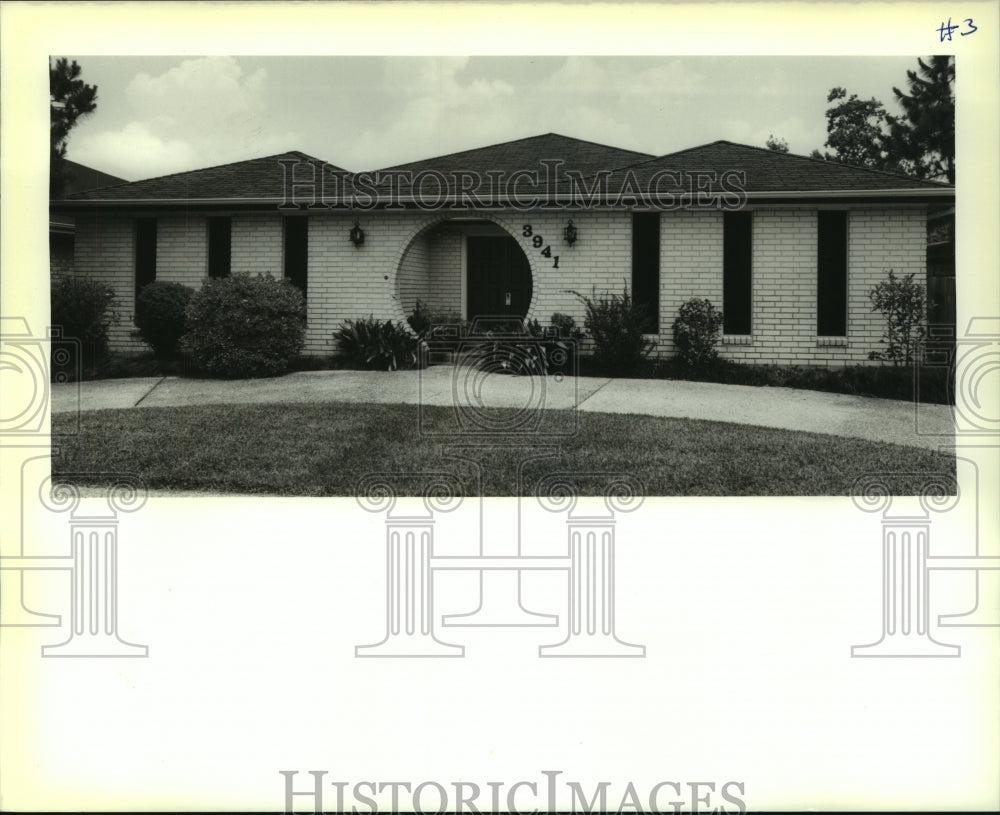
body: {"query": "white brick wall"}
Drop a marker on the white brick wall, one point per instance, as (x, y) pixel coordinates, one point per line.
(105, 250)
(413, 278)
(446, 270)
(257, 244)
(403, 258)
(182, 249)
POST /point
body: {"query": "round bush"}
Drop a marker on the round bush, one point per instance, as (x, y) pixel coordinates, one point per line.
(83, 309)
(242, 326)
(696, 331)
(159, 316)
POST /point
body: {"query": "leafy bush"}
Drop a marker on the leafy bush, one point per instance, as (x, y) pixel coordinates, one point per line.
(159, 316)
(565, 325)
(244, 326)
(84, 310)
(696, 332)
(903, 303)
(378, 345)
(431, 323)
(616, 325)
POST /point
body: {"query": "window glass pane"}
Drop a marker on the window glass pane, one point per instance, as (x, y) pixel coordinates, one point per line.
(297, 251)
(646, 267)
(145, 252)
(831, 277)
(737, 272)
(219, 246)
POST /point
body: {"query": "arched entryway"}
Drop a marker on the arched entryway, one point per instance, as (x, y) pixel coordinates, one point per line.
(465, 268)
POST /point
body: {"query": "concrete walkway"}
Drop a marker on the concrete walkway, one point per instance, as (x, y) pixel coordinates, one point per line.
(837, 414)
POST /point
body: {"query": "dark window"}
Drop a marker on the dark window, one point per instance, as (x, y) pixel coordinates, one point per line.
(145, 252)
(831, 274)
(646, 267)
(220, 233)
(297, 251)
(737, 272)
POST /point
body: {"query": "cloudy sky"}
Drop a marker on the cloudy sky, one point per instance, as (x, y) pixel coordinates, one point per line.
(159, 115)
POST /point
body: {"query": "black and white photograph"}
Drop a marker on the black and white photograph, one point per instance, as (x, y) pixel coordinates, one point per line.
(665, 285)
(463, 407)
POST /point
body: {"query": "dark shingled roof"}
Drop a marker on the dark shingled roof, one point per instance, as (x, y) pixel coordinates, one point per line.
(527, 154)
(767, 171)
(768, 175)
(561, 153)
(259, 178)
(81, 177)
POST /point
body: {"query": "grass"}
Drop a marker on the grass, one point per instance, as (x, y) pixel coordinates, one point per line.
(316, 450)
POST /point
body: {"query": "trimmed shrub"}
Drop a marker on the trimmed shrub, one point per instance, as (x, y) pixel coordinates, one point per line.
(377, 345)
(565, 325)
(616, 325)
(885, 382)
(696, 332)
(242, 326)
(159, 316)
(429, 323)
(903, 303)
(84, 310)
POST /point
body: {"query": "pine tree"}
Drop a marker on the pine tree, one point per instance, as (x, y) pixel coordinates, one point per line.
(69, 99)
(924, 136)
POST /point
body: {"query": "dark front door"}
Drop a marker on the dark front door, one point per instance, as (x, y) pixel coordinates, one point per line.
(499, 277)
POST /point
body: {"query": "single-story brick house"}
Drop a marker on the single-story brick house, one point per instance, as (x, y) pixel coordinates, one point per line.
(787, 246)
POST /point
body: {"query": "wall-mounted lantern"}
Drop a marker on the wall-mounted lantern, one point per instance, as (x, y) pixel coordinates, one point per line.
(357, 235)
(569, 233)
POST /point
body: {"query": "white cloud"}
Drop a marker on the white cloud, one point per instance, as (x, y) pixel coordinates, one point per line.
(199, 113)
(132, 151)
(624, 77)
(439, 107)
(208, 89)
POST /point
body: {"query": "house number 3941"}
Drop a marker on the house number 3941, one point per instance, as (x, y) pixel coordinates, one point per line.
(538, 242)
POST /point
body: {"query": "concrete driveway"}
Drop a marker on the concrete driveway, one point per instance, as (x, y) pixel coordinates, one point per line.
(812, 411)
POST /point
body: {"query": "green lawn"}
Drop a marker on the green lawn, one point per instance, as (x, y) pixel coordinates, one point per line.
(324, 450)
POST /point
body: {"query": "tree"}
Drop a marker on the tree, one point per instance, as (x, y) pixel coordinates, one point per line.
(920, 142)
(858, 132)
(70, 98)
(778, 145)
(924, 137)
(903, 303)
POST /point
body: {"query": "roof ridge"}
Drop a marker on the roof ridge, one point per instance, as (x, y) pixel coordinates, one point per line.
(766, 150)
(508, 142)
(828, 162)
(217, 167)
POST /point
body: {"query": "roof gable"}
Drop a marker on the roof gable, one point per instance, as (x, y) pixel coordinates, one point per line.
(81, 177)
(768, 171)
(519, 170)
(255, 179)
(525, 154)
